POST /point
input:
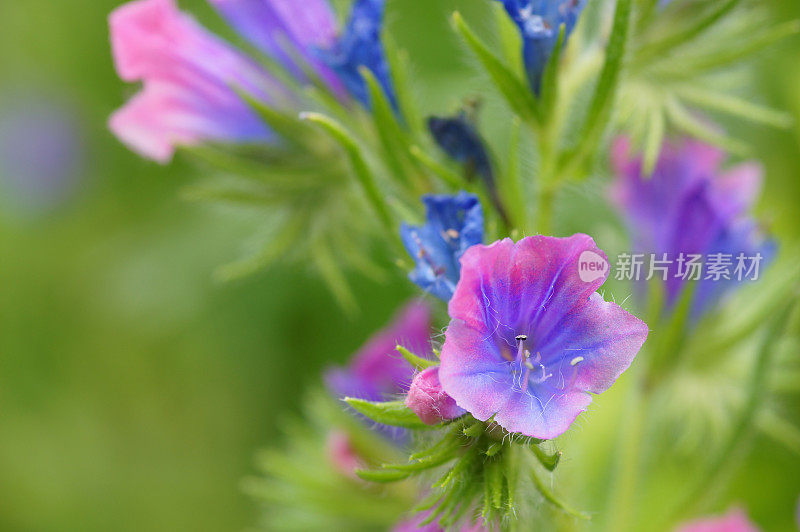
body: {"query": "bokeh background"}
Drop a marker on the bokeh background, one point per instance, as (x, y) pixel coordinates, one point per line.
(134, 389)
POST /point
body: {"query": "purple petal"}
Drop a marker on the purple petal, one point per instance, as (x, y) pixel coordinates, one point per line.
(529, 339)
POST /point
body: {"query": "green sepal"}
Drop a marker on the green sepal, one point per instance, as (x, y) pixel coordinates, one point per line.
(518, 95)
(416, 361)
(393, 413)
(548, 461)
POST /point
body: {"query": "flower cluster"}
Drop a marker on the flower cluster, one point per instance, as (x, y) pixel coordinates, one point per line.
(304, 107)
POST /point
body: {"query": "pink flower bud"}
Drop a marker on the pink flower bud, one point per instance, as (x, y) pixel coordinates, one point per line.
(429, 401)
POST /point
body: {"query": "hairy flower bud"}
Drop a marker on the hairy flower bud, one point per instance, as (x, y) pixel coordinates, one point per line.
(429, 401)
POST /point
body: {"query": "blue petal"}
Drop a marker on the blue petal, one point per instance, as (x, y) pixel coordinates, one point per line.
(360, 45)
(453, 225)
(539, 22)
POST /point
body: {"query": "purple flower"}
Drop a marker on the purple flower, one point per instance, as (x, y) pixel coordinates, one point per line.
(429, 401)
(539, 22)
(734, 521)
(274, 25)
(530, 340)
(189, 76)
(690, 206)
(453, 224)
(377, 371)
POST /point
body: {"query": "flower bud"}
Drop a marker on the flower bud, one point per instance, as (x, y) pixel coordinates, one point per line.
(429, 401)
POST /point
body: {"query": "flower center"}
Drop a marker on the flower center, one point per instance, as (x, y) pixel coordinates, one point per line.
(534, 371)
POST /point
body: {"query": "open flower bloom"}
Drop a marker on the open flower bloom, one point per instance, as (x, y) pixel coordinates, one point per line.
(734, 521)
(539, 22)
(453, 224)
(190, 80)
(429, 401)
(377, 371)
(530, 339)
(690, 207)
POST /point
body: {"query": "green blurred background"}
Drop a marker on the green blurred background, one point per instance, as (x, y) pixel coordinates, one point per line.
(134, 389)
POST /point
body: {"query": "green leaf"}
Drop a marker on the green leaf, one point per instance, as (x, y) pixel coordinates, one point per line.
(602, 102)
(362, 172)
(391, 136)
(549, 92)
(416, 361)
(551, 497)
(385, 476)
(686, 35)
(330, 270)
(719, 101)
(399, 65)
(445, 174)
(510, 40)
(683, 119)
(518, 95)
(654, 139)
(394, 413)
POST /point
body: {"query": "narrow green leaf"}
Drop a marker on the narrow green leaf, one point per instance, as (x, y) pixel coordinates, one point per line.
(551, 497)
(358, 162)
(287, 126)
(331, 272)
(726, 103)
(654, 139)
(686, 35)
(549, 92)
(683, 119)
(602, 102)
(382, 476)
(780, 430)
(270, 251)
(691, 66)
(518, 95)
(394, 413)
(416, 361)
(510, 40)
(438, 169)
(399, 64)
(390, 134)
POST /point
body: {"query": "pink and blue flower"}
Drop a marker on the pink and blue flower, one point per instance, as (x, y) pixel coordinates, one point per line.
(189, 79)
(529, 341)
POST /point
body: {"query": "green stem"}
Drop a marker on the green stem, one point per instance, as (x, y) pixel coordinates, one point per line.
(622, 490)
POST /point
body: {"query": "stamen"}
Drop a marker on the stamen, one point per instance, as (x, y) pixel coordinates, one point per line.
(576, 361)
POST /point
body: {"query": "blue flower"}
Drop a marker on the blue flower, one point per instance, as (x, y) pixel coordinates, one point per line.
(454, 224)
(539, 22)
(360, 45)
(459, 139)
